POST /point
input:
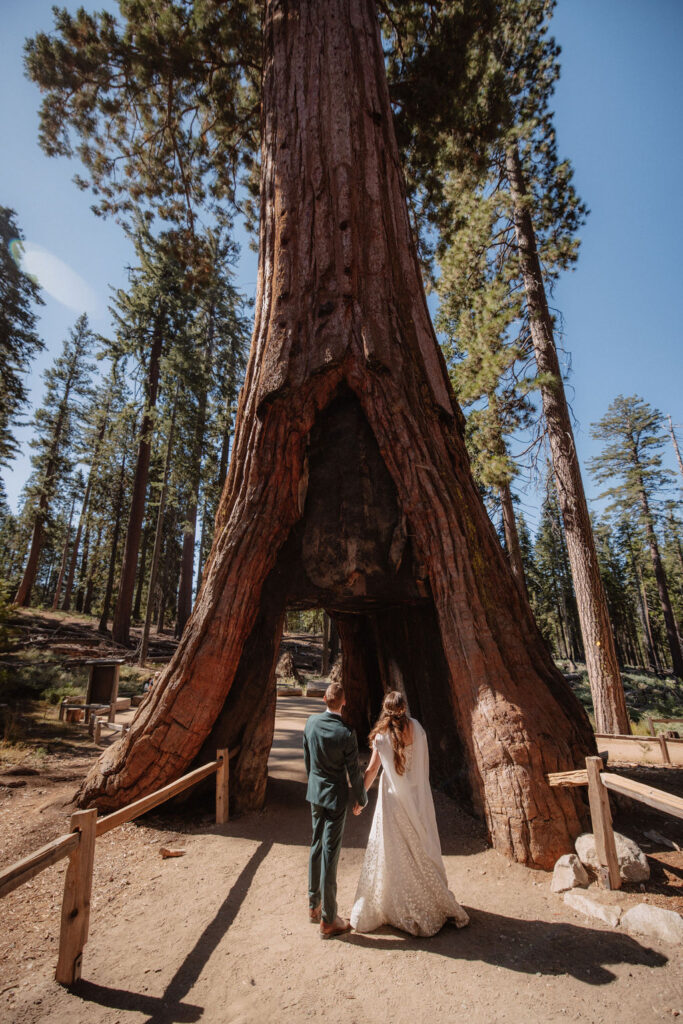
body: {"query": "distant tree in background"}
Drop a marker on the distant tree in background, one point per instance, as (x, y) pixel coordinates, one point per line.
(19, 340)
(631, 461)
(57, 424)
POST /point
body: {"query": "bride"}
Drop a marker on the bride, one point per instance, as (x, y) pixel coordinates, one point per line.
(403, 880)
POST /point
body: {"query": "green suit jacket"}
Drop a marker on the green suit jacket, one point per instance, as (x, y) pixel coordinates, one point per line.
(330, 751)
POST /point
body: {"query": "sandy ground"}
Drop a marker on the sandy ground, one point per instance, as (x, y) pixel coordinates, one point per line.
(221, 934)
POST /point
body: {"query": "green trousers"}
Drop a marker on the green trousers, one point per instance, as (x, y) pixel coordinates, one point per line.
(328, 828)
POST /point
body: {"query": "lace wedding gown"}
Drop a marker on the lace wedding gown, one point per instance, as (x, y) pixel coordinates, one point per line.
(403, 880)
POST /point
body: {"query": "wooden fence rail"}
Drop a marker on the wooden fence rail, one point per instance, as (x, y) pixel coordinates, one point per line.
(599, 782)
(79, 846)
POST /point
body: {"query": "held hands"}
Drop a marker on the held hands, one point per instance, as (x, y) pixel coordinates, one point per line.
(357, 809)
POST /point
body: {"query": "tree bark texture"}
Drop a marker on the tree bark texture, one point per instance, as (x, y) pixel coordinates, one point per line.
(607, 690)
(512, 536)
(349, 487)
(124, 602)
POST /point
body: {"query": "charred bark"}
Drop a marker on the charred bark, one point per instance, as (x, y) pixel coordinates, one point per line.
(388, 523)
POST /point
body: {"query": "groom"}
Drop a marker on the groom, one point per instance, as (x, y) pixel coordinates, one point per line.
(330, 751)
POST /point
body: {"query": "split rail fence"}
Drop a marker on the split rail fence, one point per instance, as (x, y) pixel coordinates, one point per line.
(79, 846)
(599, 783)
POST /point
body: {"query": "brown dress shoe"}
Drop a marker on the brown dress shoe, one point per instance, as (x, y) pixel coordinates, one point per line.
(337, 927)
(314, 914)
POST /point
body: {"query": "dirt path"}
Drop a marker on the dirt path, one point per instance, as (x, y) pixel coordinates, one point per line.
(221, 934)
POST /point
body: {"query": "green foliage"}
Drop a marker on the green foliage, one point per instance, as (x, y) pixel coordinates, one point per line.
(19, 341)
(161, 105)
(631, 459)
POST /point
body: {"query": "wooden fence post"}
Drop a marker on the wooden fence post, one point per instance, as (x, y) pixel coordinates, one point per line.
(651, 726)
(76, 904)
(222, 786)
(601, 816)
(98, 729)
(664, 749)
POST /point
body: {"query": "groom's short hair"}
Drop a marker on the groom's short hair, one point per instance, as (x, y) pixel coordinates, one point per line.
(334, 696)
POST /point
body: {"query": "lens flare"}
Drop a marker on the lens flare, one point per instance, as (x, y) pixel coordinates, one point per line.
(54, 276)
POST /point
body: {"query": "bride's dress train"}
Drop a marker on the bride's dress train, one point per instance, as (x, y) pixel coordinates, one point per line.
(403, 880)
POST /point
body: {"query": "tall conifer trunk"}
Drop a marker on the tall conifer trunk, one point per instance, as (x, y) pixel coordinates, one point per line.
(124, 602)
(189, 532)
(512, 536)
(660, 577)
(349, 485)
(23, 595)
(118, 512)
(65, 555)
(607, 690)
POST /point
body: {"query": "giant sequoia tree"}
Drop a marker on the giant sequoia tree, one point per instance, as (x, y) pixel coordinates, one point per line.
(350, 486)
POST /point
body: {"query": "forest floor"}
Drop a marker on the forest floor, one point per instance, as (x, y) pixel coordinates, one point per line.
(221, 934)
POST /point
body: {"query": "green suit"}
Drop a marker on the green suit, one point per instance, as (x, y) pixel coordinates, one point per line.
(330, 751)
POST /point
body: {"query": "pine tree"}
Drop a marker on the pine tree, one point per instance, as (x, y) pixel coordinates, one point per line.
(149, 316)
(161, 107)
(507, 151)
(633, 433)
(19, 341)
(56, 425)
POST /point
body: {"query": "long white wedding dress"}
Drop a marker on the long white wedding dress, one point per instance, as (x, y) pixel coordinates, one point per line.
(403, 880)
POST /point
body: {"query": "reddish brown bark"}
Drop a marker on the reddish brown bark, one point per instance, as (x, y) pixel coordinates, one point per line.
(609, 703)
(349, 486)
(124, 602)
(512, 547)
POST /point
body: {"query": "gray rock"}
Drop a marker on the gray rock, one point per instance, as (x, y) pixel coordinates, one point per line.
(633, 865)
(655, 922)
(585, 904)
(569, 873)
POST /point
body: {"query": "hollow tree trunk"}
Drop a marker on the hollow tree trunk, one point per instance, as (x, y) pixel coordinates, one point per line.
(606, 686)
(342, 338)
(124, 601)
(662, 588)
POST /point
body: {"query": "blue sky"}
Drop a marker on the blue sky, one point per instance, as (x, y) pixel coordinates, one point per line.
(618, 119)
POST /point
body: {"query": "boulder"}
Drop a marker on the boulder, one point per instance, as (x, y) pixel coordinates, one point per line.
(569, 873)
(585, 904)
(633, 865)
(655, 922)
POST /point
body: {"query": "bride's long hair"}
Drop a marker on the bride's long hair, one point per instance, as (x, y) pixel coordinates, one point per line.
(393, 720)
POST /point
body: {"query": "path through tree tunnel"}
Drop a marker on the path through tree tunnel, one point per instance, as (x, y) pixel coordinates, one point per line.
(351, 554)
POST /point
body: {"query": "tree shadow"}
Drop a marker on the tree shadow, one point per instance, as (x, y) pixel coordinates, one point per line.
(169, 1008)
(529, 947)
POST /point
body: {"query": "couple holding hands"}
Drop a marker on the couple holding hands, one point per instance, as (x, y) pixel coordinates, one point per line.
(403, 881)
